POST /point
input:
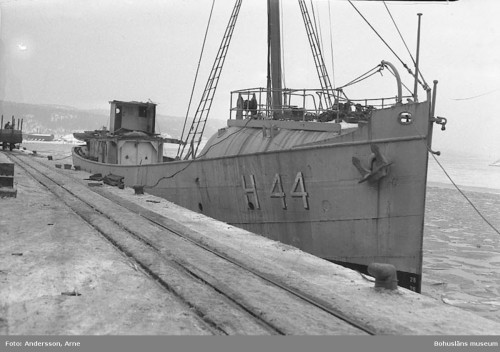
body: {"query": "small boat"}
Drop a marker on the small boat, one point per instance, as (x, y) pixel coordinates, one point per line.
(340, 178)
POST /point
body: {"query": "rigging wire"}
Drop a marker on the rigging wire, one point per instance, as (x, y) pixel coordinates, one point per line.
(399, 32)
(477, 96)
(282, 49)
(196, 75)
(464, 195)
(320, 39)
(455, 185)
(362, 77)
(331, 43)
(383, 40)
(404, 42)
(201, 155)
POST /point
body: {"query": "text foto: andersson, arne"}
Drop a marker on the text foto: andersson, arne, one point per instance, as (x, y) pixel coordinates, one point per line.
(42, 344)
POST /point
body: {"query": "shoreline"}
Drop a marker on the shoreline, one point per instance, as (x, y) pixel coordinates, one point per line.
(435, 184)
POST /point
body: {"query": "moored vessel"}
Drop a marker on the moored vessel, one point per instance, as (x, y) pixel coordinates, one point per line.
(341, 178)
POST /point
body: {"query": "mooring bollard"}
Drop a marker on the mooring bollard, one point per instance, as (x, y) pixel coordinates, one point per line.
(138, 189)
(385, 275)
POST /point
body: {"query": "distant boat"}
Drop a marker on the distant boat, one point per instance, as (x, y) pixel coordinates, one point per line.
(342, 179)
(44, 137)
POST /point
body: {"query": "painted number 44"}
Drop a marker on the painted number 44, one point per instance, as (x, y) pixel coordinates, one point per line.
(298, 190)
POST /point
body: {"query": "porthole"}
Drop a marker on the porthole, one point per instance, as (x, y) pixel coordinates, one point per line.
(405, 118)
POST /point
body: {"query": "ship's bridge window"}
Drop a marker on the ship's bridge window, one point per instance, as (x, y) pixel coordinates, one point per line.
(143, 111)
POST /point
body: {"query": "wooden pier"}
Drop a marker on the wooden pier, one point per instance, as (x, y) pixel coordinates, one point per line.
(7, 188)
(82, 257)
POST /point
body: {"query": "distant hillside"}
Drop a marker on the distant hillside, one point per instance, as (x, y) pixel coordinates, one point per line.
(62, 120)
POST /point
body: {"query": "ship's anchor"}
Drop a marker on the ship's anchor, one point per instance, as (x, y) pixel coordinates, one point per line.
(378, 166)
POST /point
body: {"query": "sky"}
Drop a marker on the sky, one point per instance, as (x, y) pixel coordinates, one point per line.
(84, 53)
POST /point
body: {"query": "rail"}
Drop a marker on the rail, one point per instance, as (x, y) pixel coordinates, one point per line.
(176, 260)
(305, 105)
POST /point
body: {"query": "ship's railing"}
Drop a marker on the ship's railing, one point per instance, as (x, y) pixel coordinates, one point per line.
(303, 105)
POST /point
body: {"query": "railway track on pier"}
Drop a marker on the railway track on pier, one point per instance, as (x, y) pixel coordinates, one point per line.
(228, 296)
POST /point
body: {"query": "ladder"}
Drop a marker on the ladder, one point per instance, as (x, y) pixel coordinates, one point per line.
(324, 79)
(195, 133)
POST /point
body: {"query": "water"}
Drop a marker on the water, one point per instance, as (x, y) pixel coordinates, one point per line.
(461, 264)
(461, 252)
(471, 171)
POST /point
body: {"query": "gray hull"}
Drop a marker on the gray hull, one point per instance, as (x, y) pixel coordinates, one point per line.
(310, 196)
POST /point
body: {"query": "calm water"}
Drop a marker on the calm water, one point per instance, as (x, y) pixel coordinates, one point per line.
(461, 251)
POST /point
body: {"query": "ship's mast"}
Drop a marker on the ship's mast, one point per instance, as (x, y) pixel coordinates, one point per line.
(274, 58)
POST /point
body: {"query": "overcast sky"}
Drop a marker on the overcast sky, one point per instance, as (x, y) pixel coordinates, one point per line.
(84, 53)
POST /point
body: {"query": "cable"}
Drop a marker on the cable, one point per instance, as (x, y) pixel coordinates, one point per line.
(463, 194)
(331, 43)
(404, 42)
(196, 75)
(362, 77)
(400, 35)
(282, 49)
(455, 185)
(191, 161)
(477, 96)
(374, 30)
(388, 46)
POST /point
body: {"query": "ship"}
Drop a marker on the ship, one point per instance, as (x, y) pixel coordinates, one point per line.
(343, 179)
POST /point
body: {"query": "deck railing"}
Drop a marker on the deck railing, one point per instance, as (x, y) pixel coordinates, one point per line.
(303, 105)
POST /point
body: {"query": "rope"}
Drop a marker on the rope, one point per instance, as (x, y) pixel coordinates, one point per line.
(331, 43)
(201, 155)
(375, 31)
(282, 49)
(320, 40)
(362, 77)
(400, 35)
(404, 42)
(463, 194)
(196, 75)
(388, 46)
(455, 185)
(477, 96)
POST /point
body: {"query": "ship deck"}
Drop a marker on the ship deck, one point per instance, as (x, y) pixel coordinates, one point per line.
(79, 257)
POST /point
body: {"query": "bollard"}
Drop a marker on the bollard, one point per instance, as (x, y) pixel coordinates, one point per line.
(385, 275)
(138, 189)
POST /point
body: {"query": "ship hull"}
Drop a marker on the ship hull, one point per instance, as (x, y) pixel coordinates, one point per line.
(309, 197)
